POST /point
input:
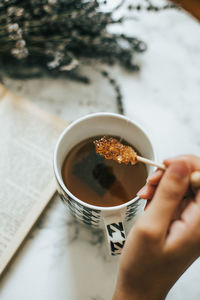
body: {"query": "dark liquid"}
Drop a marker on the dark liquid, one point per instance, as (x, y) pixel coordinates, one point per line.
(95, 180)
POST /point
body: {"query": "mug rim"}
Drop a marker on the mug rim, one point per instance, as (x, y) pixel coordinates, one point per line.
(60, 180)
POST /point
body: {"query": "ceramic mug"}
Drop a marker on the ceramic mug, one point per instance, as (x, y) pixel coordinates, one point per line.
(111, 218)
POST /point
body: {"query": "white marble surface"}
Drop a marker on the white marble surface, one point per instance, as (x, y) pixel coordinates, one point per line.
(62, 259)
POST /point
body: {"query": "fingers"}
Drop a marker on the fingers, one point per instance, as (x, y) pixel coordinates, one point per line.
(192, 161)
(197, 198)
(147, 191)
(155, 177)
(168, 196)
(185, 232)
(183, 204)
(191, 215)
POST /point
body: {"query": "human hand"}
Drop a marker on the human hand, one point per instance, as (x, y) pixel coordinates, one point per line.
(160, 247)
(153, 180)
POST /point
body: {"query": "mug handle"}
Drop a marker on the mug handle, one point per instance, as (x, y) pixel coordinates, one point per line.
(115, 233)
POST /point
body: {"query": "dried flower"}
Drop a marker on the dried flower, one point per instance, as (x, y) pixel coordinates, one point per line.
(55, 36)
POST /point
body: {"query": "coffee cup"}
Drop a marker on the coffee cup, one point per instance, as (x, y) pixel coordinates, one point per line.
(112, 218)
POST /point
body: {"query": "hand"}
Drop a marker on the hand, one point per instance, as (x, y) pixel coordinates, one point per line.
(160, 247)
(153, 180)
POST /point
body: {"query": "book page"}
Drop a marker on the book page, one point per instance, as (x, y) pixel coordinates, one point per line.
(27, 140)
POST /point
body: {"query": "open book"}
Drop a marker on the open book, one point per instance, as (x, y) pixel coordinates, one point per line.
(27, 139)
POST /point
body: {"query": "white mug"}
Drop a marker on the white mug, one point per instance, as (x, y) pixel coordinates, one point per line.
(111, 218)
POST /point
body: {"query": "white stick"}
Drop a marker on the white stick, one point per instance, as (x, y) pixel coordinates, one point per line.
(150, 162)
(194, 176)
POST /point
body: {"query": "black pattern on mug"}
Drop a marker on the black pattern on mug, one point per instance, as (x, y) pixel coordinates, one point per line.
(116, 247)
(116, 235)
(132, 210)
(114, 227)
(85, 214)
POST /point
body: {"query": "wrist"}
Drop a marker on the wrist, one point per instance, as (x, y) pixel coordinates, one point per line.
(133, 295)
(139, 293)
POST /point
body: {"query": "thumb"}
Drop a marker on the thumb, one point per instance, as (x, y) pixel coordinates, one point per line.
(168, 195)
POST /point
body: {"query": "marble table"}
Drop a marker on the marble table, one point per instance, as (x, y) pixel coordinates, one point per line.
(62, 259)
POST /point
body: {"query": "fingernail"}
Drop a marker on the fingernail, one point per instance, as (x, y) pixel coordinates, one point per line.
(154, 175)
(179, 169)
(142, 191)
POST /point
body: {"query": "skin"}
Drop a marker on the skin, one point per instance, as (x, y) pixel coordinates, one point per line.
(165, 240)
